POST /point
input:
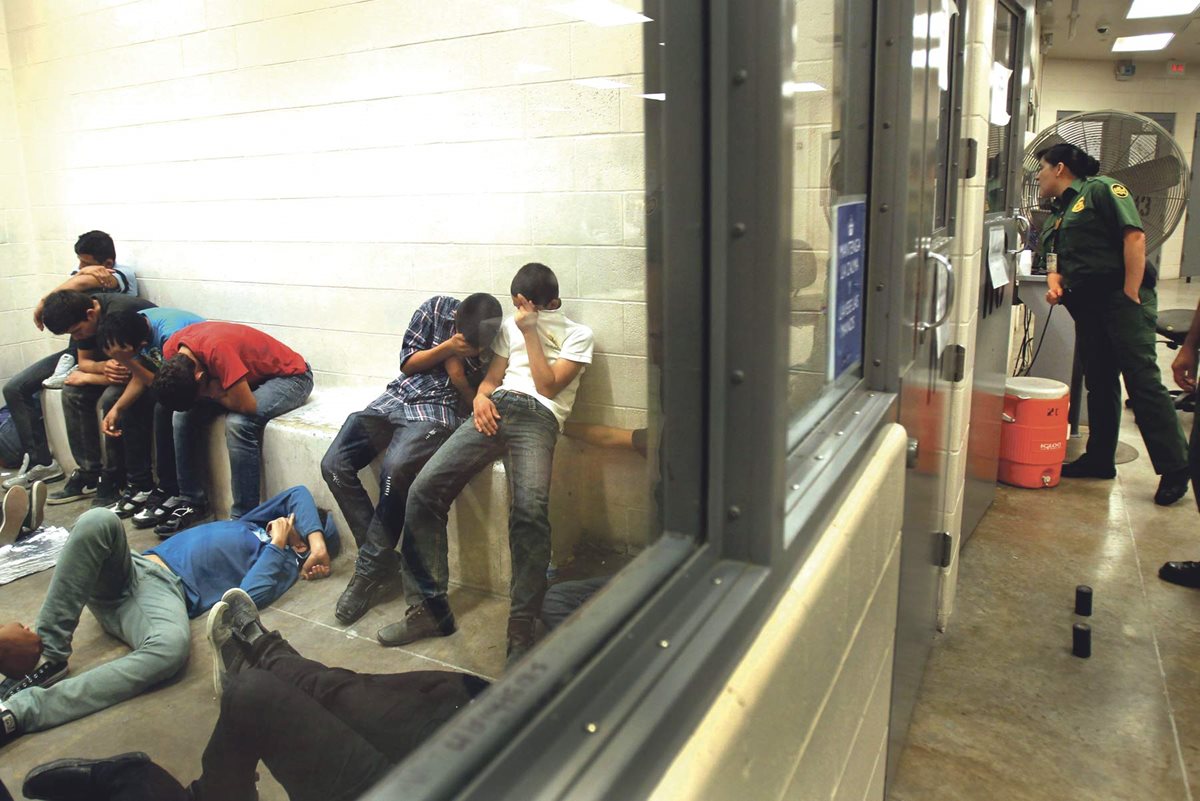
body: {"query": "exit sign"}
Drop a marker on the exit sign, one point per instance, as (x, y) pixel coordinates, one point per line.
(1176, 69)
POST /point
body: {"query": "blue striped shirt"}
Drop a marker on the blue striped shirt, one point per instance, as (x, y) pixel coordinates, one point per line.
(429, 395)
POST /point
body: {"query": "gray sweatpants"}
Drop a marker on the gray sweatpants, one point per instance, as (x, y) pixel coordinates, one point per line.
(138, 602)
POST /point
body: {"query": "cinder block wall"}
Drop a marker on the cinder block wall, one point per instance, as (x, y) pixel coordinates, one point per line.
(1090, 86)
(20, 342)
(317, 168)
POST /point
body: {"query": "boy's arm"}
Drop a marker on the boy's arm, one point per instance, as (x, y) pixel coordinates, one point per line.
(550, 379)
(487, 419)
(86, 280)
(425, 360)
(133, 391)
(458, 377)
(238, 398)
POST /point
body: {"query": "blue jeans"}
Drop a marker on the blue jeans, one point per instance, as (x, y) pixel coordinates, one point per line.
(22, 393)
(243, 436)
(407, 446)
(138, 602)
(526, 438)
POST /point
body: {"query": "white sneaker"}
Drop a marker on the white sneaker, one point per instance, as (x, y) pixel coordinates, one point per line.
(66, 363)
(38, 472)
(17, 479)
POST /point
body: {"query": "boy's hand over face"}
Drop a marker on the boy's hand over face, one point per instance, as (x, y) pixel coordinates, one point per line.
(459, 346)
(527, 314)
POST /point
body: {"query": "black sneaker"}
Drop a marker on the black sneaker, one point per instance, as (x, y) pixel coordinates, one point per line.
(185, 516)
(359, 596)
(108, 492)
(1185, 574)
(79, 778)
(44, 675)
(132, 501)
(431, 618)
(77, 486)
(233, 628)
(520, 639)
(156, 511)
(1083, 467)
(1172, 486)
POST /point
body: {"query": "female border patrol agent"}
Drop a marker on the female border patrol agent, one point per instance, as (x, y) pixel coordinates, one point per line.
(1095, 253)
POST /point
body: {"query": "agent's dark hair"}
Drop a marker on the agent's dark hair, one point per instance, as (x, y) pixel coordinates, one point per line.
(127, 329)
(1079, 163)
(537, 283)
(96, 244)
(64, 308)
(175, 383)
(478, 319)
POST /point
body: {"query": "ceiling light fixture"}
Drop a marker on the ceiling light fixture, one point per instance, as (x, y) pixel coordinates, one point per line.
(602, 13)
(1149, 41)
(1144, 9)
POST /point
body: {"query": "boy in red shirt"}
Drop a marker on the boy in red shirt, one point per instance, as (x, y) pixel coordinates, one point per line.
(210, 368)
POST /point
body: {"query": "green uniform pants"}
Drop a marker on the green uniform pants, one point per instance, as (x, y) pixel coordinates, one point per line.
(138, 602)
(1115, 337)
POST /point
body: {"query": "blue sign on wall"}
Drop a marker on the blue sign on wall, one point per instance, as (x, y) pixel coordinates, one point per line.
(847, 265)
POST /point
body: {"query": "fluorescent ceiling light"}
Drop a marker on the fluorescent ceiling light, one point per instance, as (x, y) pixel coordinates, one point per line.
(1149, 41)
(604, 13)
(601, 83)
(1142, 9)
(655, 96)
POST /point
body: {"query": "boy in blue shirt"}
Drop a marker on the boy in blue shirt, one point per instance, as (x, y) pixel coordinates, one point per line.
(145, 600)
(135, 340)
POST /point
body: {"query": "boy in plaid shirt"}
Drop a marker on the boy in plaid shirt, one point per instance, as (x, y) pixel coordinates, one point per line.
(440, 368)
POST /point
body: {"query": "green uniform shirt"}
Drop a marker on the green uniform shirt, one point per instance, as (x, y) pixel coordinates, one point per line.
(1087, 231)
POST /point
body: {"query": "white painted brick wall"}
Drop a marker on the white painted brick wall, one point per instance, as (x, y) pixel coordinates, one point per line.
(319, 167)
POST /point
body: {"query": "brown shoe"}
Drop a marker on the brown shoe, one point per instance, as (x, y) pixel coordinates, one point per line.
(430, 618)
(520, 639)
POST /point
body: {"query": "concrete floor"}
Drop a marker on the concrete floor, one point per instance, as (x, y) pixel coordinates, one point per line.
(173, 723)
(1005, 710)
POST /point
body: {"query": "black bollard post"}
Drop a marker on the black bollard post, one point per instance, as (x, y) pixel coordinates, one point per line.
(1081, 645)
(1083, 600)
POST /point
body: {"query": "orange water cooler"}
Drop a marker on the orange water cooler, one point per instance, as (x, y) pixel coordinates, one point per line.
(1033, 437)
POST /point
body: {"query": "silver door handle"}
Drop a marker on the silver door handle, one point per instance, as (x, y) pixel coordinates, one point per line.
(949, 268)
(1024, 226)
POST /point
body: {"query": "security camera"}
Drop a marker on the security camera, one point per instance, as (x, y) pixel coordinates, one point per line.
(1102, 28)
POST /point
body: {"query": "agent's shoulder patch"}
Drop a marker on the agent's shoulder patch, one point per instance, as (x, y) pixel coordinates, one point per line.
(1079, 206)
(1119, 190)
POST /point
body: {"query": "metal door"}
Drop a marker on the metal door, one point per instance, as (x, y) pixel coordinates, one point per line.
(1004, 232)
(934, 114)
(1191, 229)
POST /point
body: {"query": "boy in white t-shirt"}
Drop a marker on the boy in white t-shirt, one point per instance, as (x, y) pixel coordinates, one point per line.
(520, 409)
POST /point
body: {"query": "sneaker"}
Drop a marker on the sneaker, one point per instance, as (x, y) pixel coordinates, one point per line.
(431, 618)
(185, 516)
(1185, 574)
(157, 509)
(108, 492)
(38, 472)
(233, 627)
(66, 363)
(77, 486)
(37, 506)
(1083, 467)
(17, 478)
(520, 639)
(15, 509)
(359, 596)
(79, 778)
(8, 727)
(132, 501)
(1172, 486)
(44, 675)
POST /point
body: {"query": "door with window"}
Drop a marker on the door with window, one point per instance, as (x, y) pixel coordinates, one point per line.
(1005, 232)
(926, 374)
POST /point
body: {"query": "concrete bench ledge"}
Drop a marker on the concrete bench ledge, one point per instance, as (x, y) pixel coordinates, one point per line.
(596, 494)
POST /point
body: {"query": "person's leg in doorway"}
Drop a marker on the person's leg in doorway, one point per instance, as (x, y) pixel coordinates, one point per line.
(243, 434)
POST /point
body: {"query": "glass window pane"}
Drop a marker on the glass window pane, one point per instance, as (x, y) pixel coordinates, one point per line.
(1004, 78)
(826, 314)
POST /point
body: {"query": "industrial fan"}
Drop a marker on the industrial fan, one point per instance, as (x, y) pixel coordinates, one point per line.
(1130, 148)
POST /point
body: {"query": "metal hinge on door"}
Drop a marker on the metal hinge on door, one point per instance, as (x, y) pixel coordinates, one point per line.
(969, 152)
(954, 363)
(947, 548)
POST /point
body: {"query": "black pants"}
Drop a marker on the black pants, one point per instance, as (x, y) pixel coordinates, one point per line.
(326, 734)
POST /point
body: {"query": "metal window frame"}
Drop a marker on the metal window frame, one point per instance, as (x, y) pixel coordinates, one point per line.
(600, 709)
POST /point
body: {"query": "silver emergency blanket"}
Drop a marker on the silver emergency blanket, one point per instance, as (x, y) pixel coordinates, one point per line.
(33, 554)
